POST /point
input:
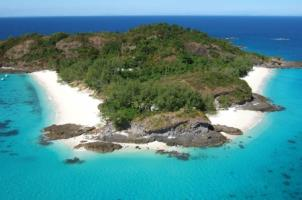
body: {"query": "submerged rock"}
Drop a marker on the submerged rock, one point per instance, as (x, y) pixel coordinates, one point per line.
(9, 133)
(4, 124)
(99, 147)
(176, 154)
(74, 160)
(291, 141)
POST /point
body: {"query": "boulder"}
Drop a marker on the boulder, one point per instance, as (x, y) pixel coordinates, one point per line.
(74, 160)
(99, 147)
(228, 130)
(262, 104)
(58, 132)
(196, 49)
(188, 130)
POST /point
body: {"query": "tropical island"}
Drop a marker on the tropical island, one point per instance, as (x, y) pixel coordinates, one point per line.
(155, 84)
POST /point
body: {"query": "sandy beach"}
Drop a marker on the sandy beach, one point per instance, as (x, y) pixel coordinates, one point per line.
(71, 105)
(245, 119)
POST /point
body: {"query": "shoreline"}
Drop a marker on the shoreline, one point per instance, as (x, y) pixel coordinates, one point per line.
(70, 104)
(245, 119)
(66, 102)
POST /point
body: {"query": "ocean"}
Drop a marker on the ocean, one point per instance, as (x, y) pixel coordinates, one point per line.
(268, 167)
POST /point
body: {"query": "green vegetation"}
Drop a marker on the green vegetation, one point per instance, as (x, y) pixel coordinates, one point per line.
(148, 70)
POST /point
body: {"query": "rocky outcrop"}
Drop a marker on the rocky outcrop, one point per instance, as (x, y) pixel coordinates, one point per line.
(97, 41)
(279, 63)
(58, 132)
(99, 147)
(262, 104)
(19, 50)
(196, 49)
(69, 46)
(175, 129)
(171, 128)
(228, 130)
(161, 123)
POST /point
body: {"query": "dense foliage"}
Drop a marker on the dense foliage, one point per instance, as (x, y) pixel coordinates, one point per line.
(150, 69)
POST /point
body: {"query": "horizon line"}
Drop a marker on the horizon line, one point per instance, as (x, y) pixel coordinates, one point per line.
(57, 16)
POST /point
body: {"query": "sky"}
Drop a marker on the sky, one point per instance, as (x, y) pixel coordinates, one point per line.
(18, 8)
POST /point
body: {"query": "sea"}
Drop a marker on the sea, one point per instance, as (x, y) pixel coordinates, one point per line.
(264, 163)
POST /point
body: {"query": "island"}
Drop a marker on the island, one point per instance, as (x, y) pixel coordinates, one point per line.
(153, 84)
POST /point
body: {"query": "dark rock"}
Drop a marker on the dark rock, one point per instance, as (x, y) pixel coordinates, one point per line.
(286, 183)
(100, 147)
(193, 131)
(4, 125)
(74, 160)
(232, 195)
(176, 154)
(241, 146)
(58, 132)
(137, 147)
(44, 141)
(291, 141)
(228, 130)
(9, 133)
(197, 139)
(260, 103)
(286, 176)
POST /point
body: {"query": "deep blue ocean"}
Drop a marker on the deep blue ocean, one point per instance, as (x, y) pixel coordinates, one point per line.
(268, 167)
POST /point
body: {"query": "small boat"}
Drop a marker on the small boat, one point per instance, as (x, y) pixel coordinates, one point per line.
(5, 75)
(2, 79)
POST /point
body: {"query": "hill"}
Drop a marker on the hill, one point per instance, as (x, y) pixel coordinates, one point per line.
(147, 71)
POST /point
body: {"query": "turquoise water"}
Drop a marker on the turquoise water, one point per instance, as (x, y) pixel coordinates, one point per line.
(268, 167)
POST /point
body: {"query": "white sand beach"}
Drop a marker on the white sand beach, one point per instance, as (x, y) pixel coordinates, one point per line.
(244, 119)
(71, 105)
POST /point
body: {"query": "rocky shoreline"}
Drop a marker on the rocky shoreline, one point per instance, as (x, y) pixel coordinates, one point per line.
(193, 131)
(282, 64)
